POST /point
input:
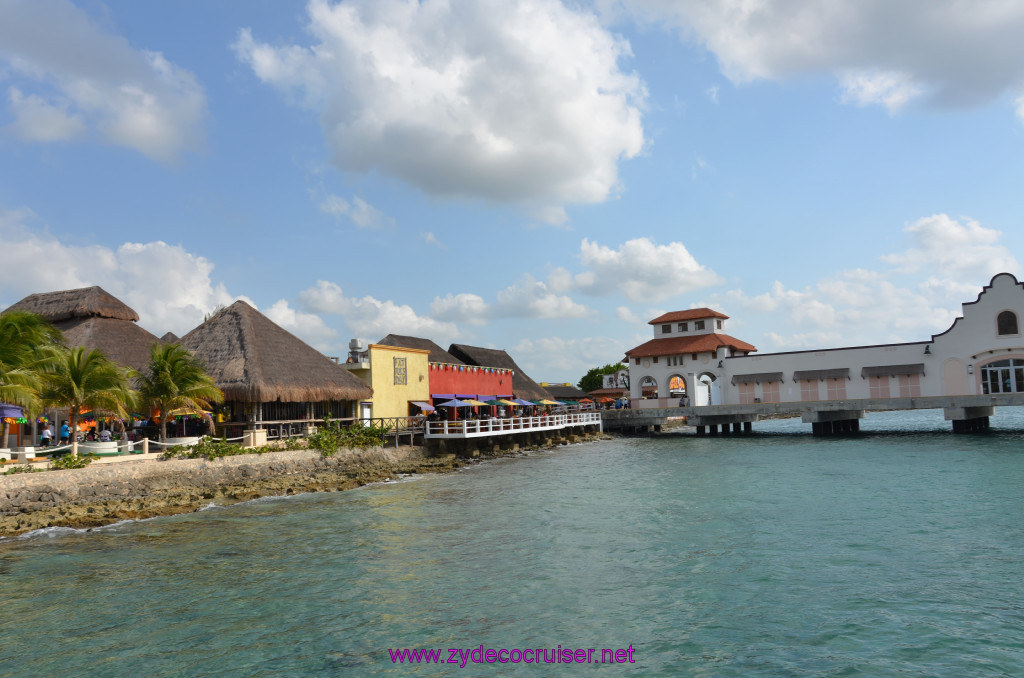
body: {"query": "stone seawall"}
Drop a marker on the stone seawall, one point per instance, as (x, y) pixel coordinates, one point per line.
(100, 495)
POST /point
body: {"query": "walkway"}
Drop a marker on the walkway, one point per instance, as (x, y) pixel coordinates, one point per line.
(477, 428)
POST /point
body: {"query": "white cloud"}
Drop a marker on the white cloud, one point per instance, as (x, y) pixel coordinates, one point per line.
(38, 120)
(892, 90)
(431, 239)
(170, 288)
(309, 327)
(533, 299)
(518, 103)
(959, 250)
(83, 78)
(712, 93)
(627, 316)
(371, 317)
(955, 53)
(553, 358)
(642, 270)
(861, 306)
(360, 212)
(466, 308)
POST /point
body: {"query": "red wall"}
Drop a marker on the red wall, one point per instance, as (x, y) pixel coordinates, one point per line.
(453, 379)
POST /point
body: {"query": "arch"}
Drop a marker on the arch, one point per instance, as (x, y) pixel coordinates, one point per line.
(676, 384)
(1006, 323)
(708, 390)
(1002, 375)
(648, 382)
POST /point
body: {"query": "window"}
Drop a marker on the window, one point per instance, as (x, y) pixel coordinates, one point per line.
(1003, 376)
(746, 393)
(655, 360)
(693, 356)
(683, 327)
(401, 377)
(698, 325)
(808, 389)
(910, 385)
(879, 386)
(665, 329)
(1006, 323)
(718, 324)
(837, 389)
(770, 392)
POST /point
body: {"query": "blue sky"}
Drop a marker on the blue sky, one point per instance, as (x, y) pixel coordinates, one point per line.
(538, 176)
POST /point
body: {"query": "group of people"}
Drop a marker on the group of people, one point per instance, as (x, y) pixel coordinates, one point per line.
(46, 437)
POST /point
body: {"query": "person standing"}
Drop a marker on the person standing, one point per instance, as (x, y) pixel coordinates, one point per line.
(65, 433)
(46, 436)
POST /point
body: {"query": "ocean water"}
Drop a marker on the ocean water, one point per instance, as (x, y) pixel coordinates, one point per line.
(898, 552)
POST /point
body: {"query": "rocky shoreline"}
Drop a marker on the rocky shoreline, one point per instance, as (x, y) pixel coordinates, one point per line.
(100, 495)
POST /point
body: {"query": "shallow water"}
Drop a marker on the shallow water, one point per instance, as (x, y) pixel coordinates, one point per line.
(892, 553)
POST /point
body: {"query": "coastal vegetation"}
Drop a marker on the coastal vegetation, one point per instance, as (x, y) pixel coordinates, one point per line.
(83, 380)
(331, 437)
(175, 381)
(28, 347)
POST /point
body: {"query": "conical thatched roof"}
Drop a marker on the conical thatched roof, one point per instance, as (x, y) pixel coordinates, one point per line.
(522, 385)
(93, 318)
(565, 392)
(85, 302)
(437, 354)
(170, 338)
(252, 359)
(123, 342)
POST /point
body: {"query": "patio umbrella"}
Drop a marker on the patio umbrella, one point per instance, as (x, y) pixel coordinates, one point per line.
(520, 401)
(455, 402)
(474, 403)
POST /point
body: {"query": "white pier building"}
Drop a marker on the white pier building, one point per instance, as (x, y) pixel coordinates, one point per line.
(974, 365)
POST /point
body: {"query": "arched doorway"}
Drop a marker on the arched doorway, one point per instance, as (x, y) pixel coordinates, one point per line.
(708, 390)
(648, 387)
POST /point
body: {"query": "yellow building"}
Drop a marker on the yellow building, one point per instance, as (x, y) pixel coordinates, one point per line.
(398, 377)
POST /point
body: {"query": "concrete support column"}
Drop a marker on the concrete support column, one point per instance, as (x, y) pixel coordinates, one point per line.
(702, 430)
(748, 427)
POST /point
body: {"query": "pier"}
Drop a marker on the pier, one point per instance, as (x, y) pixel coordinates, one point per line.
(967, 413)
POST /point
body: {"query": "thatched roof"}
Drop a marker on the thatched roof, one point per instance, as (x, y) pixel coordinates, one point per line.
(93, 318)
(170, 338)
(563, 392)
(522, 385)
(252, 359)
(437, 354)
(123, 342)
(85, 302)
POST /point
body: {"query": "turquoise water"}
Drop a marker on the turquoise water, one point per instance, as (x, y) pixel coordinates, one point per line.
(780, 554)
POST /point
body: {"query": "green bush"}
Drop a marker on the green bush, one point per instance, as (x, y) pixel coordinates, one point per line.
(72, 461)
(332, 437)
(210, 449)
(21, 469)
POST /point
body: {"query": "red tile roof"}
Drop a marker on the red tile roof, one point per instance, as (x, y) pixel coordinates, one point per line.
(692, 314)
(696, 343)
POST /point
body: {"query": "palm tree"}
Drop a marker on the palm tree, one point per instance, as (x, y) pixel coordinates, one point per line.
(85, 379)
(175, 379)
(27, 349)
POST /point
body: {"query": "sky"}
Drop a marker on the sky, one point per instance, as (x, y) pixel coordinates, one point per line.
(538, 176)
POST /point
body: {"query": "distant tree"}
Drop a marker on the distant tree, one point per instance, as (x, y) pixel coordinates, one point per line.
(592, 381)
(175, 379)
(84, 379)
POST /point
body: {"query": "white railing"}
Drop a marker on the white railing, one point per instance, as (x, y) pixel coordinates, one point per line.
(471, 428)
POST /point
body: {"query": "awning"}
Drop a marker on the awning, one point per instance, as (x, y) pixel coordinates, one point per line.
(461, 396)
(11, 411)
(423, 406)
(810, 375)
(756, 378)
(442, 396)
(485, 398)
(891, 370)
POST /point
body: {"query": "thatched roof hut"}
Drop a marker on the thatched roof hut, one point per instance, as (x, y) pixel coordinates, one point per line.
(522, 385)
(252, 359)
(93, 318)
(170, 338)
(437, 354)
